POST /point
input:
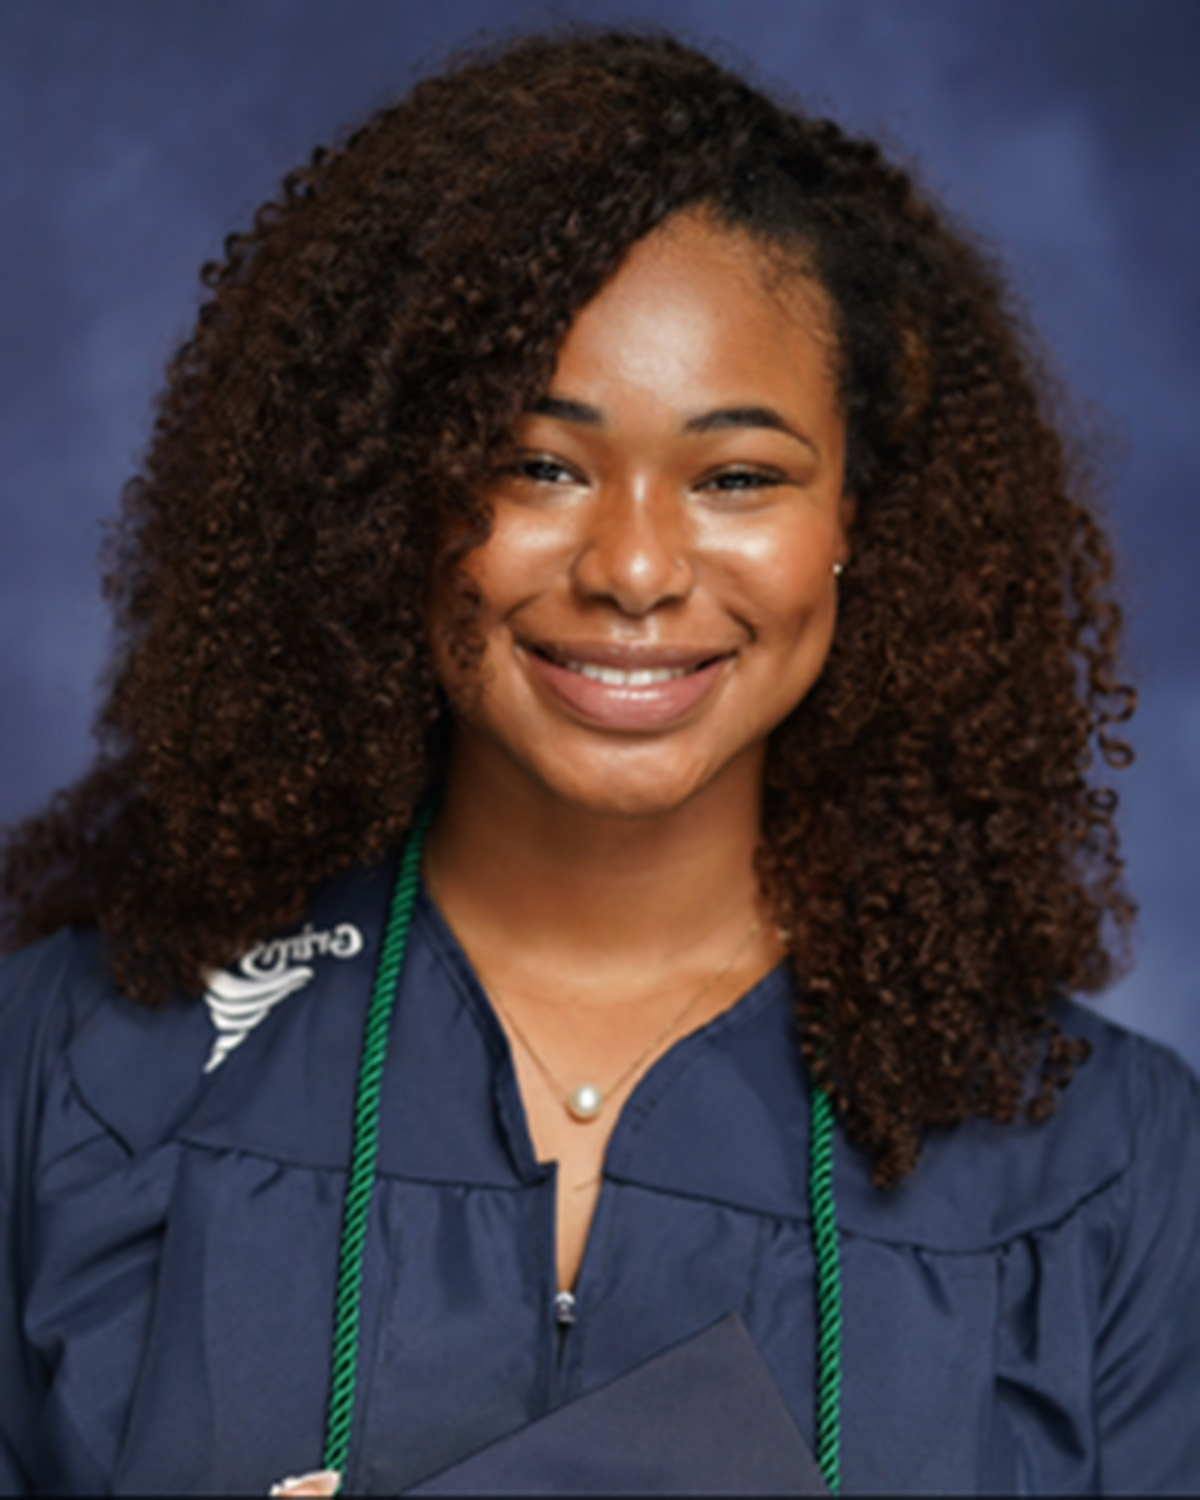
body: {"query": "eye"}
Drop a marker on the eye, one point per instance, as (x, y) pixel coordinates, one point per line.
(736, 480)
(539, 468)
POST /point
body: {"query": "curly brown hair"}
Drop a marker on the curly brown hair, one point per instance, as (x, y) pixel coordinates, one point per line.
(933, 845)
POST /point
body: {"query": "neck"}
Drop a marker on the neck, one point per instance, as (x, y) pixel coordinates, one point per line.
(517, 869)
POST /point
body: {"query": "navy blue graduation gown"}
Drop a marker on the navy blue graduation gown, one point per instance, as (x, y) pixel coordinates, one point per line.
(1023, 1314)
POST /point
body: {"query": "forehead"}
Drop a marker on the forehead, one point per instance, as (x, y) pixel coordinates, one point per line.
(703, 314)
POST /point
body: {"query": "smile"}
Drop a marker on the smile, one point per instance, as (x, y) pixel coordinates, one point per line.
(627, 691)
(640, 677)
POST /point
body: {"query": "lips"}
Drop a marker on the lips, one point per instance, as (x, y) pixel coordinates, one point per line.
(624, 688)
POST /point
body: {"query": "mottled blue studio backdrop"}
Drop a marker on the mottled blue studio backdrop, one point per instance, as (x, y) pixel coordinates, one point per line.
(136, 133)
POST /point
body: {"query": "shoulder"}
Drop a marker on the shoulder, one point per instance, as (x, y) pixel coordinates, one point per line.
(1131, 1113)
(65, 1027)
(1129, 1088)
(1127, 1123)
(39, 985)
(73, 1047)
(46, 993)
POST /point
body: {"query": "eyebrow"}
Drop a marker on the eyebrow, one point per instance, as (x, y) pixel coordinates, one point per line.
(569, 411)
(722, 419)
(744, 416)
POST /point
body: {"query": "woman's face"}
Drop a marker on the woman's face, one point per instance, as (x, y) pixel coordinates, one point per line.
(658, 587)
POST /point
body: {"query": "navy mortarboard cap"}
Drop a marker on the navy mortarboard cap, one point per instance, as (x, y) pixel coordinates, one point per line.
(704, 1418)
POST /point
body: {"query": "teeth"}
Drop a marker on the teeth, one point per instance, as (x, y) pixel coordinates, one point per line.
(614, 677)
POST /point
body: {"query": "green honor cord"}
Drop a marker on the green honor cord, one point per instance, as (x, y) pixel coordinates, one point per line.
(823, 1213)
(361, 1181)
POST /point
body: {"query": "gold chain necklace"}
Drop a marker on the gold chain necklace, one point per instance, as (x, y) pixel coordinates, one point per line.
(586, 1101)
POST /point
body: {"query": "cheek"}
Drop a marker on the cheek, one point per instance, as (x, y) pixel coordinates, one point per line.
(524, 558)
(781, 584)
(519, 564)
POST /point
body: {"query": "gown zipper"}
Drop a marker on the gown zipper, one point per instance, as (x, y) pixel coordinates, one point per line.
(564, 1321)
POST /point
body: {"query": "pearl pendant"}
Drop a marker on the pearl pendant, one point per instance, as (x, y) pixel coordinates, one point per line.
(585, 1102)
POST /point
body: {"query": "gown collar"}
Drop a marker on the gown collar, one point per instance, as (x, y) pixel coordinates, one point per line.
(722, 1116)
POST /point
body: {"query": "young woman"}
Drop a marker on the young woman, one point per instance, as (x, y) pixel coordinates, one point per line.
(613, 657)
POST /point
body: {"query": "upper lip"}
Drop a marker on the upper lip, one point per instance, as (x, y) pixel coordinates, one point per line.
(627, 657)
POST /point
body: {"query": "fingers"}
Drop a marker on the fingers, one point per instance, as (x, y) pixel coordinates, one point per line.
(319, 1482)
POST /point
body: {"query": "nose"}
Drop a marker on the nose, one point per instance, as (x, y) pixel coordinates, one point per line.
(636, 552)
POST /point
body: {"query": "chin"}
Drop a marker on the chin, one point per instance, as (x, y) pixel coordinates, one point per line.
(646, 790)
(626, 802)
